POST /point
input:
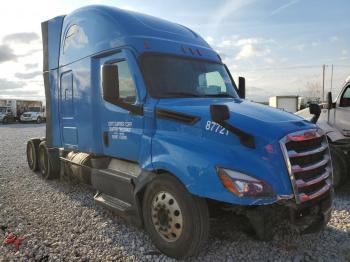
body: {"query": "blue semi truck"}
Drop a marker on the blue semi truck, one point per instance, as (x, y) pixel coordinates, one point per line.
(146, 112)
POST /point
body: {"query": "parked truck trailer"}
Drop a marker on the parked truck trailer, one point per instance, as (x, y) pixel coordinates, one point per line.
(286, 103)
(147, 113)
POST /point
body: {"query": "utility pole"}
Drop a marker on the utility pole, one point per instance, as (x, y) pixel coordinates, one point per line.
(323, 74)
(332, 79)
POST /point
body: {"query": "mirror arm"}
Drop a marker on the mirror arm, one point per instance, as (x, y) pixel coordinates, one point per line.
(135, 109)
(246, 139)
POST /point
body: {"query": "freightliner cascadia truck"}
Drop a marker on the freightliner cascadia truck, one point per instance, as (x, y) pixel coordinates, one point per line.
(146, 112)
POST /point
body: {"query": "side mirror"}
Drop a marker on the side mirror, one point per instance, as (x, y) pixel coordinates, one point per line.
(315, 110)
(219, 113)
(110, 83)
(329, 100)
(241, 87)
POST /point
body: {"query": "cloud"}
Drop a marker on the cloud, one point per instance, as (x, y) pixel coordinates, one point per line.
(24, 37)
(225, 10)
(285, 6)
(344, 52)
(6, 85)
(300, 47)
(242, 48)
(129, 8)
(28, 75)
(250, 51)
(333, 39)
(31, 66)
(6, 54)
(209, 40)
(16, 89)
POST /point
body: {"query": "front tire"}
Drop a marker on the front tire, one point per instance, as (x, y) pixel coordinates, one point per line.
(339, 166)
(177, 222)
(38, 120)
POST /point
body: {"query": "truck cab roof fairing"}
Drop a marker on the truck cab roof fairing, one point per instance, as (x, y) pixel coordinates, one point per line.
(94, 29)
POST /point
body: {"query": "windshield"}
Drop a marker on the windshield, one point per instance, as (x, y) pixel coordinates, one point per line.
(33, 109)
(168, 76)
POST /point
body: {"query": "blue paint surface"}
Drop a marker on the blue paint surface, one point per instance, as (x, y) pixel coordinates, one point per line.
(190, 152)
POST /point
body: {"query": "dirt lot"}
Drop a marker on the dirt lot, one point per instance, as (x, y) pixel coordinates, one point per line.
(61, 222)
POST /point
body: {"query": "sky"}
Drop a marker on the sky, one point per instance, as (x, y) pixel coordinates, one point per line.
(279, 46)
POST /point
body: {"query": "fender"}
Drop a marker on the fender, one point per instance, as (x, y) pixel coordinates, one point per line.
(201, 178)
(333, 133)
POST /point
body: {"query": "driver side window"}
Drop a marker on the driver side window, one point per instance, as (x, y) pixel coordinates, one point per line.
(345, 99)
(127, 90)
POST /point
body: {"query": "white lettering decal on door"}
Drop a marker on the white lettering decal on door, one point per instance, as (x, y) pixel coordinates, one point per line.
(119, 130)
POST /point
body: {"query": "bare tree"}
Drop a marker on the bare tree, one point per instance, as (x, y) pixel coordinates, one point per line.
(313, 89)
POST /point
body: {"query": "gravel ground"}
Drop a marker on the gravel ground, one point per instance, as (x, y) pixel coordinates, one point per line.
(61, 222)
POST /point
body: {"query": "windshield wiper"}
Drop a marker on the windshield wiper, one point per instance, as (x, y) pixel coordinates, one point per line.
(181, 94)
(220, 95)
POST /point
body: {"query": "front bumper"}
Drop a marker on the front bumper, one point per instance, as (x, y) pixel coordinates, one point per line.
(314, 215)
(309, 217)
(27, 119)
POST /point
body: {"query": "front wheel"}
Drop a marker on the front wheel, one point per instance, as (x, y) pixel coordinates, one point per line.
(177, 222)
(339, 166)
(5, 120)
(38, 120)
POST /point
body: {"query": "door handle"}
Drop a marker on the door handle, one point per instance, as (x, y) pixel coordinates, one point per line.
(105, 138)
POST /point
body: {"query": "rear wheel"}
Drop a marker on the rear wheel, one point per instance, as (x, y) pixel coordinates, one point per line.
(48, 162)
(5, 120)
(177, 222)
(339, 166)
(33, 154)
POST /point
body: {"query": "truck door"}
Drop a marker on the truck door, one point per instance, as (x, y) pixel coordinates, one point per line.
(67, 119)
(122, 129)
(342, 112)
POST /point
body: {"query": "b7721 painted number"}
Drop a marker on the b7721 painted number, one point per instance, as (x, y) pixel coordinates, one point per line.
(216, 128)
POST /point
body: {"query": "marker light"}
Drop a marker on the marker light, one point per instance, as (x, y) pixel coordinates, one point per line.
(146, 45)
(302, 137)
(243, 185)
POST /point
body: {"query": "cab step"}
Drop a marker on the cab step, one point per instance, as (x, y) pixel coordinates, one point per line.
(111, 202)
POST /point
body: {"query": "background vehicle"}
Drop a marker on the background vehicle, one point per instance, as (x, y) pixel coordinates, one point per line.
(6, 115)
(7, 111)
(145, 111)
(33, 114)
(335, 121)
(23, 110)
(287, 103)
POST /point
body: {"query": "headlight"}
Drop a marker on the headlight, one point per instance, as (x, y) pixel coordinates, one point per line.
(243, 185)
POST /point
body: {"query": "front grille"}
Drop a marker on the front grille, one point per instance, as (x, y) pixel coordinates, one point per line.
(26, 115)
(308, 160)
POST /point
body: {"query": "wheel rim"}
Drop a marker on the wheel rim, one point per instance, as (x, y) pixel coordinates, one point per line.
(43, 162)
(167, 216)
(30, 155)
